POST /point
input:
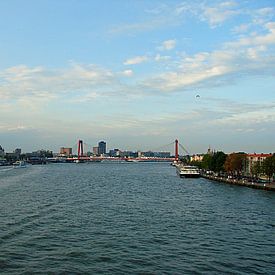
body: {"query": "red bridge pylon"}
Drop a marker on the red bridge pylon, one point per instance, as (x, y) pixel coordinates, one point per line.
(80, 149)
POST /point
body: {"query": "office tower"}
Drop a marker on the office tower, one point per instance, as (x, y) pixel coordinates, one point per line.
(102, 147)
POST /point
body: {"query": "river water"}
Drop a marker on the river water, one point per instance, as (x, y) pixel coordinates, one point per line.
(131, 218)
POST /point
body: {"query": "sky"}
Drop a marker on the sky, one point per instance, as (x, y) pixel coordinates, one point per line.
(137, 74)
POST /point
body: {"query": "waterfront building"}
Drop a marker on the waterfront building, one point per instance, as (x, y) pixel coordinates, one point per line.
(148, 154)
(17, 152)
(115, 153)
(130, 154)
(41, 153)
(11, 156)
(66, 151)
(2, 151)
(196, 158)
(151, 154)
(162, 154)
(95, 150)
(102, 148)
(253, 159)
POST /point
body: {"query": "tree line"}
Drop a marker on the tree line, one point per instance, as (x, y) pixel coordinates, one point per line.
(236, 164)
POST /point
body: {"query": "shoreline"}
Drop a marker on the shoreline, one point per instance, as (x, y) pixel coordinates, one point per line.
(265, 186)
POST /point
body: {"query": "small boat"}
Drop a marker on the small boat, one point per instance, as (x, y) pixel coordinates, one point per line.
(19, 164)
(188, 171)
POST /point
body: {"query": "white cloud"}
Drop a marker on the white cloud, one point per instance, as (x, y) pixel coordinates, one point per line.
(168, 45)
(158, 9)
(241, 28)
(156, 22)
(87, 97)
(159, 57)
(215, 15)
(136, 60)
(267, 11)
(249, 121)
(33, 87)
(260, 16)
(256, 40)
(127, 73)
(6, 127)
(172, 81)
(251, 54)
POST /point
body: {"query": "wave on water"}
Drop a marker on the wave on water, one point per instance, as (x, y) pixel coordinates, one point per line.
(130, 219)
(6, 169)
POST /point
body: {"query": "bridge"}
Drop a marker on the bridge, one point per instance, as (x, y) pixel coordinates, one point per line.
(82, 158)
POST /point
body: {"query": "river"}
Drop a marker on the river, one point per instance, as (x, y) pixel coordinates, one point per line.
(131, 218)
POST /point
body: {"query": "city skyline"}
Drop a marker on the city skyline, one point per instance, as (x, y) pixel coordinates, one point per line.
(138, 74)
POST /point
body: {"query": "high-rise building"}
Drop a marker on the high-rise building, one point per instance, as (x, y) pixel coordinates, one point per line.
(95, 150)
(102, 148)
(65, 151)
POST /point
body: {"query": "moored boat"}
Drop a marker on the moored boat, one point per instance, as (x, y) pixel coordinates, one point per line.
(188, 171)
(19, 164)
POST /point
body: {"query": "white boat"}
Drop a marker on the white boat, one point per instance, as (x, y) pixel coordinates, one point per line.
(188, 171)
(19, 164)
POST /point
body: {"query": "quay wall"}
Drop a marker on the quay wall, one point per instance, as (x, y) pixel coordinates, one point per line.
(265, 186)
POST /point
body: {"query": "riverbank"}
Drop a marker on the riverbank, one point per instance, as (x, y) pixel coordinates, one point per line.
(263, 186)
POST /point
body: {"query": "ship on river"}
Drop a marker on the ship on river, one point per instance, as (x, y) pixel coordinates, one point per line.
(188, 171)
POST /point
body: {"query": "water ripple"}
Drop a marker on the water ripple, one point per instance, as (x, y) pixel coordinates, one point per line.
(131, 218)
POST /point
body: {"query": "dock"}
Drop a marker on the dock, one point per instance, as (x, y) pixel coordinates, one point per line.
(255, 185)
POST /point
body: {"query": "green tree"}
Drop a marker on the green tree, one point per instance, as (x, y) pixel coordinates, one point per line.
(256, 169)
(269, 166)
(196, 163)
(206, 161)
(217, 162)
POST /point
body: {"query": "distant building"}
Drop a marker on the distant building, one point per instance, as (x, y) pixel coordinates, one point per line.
(148, 154)
(66, 151)
(95, 150)
(162, 154)
(17, 152)
(102, 148)
(196, 158)
(41, 153)
(115, 153)
(2, 151)
(11, 156)
(252, 159)
(210, 151)
(129, 154)
(151, 154)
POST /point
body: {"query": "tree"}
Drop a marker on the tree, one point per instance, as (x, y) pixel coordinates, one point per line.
(217, 162)
(196, 163)
(269, 166)
(235, 163)
(256, 169)
(206, 161)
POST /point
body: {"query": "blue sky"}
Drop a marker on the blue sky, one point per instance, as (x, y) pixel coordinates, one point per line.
(128, 72)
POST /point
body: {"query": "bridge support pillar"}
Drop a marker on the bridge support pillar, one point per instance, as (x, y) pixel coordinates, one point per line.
(80, 149)
(176, 150)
